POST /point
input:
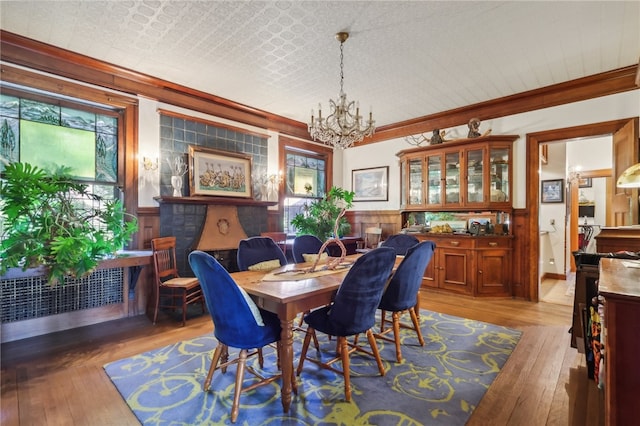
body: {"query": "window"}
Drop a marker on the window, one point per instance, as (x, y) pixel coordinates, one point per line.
(307, 169)
(48, 131)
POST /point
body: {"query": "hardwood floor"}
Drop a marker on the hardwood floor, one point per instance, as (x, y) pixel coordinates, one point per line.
(58, 379)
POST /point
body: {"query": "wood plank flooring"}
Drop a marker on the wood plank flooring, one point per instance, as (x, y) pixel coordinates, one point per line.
(58, 379)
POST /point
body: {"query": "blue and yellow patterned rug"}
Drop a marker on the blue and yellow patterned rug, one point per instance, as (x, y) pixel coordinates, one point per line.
(438, 384)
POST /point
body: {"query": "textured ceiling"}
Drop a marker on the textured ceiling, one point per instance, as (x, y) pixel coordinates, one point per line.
(405, 59)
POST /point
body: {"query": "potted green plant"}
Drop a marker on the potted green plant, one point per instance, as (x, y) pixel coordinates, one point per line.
(51, 220)
(319, 217)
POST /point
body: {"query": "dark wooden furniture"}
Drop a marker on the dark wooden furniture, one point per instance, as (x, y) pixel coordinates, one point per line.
(464, 264)
(622, 238)
(458, 175)
(620, 286)
(171, 290)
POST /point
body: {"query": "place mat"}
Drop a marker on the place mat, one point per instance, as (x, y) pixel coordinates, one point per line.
(301, 273)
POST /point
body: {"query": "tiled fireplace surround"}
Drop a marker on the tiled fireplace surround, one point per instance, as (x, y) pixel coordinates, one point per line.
(186, 220)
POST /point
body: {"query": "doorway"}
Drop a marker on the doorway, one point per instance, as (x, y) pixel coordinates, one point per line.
(625, 151)
(568, 223)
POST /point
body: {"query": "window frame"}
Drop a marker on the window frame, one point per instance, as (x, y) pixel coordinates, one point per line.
(294, 146)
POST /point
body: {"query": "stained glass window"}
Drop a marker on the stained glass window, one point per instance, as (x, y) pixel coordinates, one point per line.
(48, 132)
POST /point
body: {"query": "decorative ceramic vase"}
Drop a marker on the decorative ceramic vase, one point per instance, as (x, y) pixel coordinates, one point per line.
(176, 182)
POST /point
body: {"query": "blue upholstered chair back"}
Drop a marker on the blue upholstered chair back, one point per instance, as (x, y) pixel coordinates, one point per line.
(354, 307)
(258, 249)
(403, 288)
(235, 324)
(305, 244)
(401, 243)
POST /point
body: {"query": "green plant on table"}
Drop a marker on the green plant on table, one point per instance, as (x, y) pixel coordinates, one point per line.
(319, 217)
(51, 220)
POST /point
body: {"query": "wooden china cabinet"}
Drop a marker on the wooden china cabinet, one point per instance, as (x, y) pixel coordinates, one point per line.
(465, 177)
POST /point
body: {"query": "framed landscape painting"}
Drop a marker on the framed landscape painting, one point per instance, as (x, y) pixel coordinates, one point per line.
(370, 184)
(219, 173)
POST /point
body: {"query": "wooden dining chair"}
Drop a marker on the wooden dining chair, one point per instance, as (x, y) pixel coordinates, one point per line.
(237, 323)
(172, 290)
(306, 245)
(400, 242)
(352, 312)
(259, 253)
(280, 239)
(401, 294)
(372, 237)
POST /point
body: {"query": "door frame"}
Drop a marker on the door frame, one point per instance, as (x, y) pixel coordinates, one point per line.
(532, 173)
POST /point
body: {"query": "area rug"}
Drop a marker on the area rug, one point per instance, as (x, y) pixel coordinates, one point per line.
(438, 384)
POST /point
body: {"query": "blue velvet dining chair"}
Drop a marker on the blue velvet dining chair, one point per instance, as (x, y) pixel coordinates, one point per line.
(306, 244)
(352, 312)
(400, 242)
(402, 293)
(237, 323)
(259, 253)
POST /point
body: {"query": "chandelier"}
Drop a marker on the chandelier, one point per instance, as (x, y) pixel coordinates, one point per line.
(343, 126)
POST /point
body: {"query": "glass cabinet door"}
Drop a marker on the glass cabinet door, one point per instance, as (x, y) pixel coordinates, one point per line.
(415, 182)
(434, 179)
(499, 174)
(452, 178)
(475, 176)
(403, 184)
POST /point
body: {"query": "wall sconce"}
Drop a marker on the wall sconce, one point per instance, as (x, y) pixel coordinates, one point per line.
(630, 178)
(149, 164)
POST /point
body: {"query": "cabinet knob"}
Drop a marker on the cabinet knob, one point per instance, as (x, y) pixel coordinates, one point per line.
(480, 271)
(493, 244)
(455, 243)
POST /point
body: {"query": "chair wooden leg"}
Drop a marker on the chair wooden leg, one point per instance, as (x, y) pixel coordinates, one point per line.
(155, 313)
(214, 365)
(305, 348)
(416, 324)
(396, 334)
(383, 320)
(235, 408)
(376, 353)
(184, 307)
(344, 356)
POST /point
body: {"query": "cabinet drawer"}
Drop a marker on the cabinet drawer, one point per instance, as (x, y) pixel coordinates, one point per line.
(490, 243)
(454, 243)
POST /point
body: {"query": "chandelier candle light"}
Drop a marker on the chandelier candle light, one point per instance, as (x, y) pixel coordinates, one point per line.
(343, 127)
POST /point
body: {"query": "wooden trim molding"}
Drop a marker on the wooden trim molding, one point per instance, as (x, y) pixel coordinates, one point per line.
(603, 84)
(533, 199)
(46, 58)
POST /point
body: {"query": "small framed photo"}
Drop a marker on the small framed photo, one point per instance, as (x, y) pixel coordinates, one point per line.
(219, 173)
(584, 183)
(370, 184)
(552, 191)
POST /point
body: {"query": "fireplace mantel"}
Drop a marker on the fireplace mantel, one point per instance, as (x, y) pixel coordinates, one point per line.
(229, 201)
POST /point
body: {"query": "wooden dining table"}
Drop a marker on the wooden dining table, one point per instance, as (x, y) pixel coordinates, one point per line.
(288, 298)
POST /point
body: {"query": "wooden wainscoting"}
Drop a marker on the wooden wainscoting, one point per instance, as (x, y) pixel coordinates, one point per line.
(148, 226)
(519, 229)
(389, 220)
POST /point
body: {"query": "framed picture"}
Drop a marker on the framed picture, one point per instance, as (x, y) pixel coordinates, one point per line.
(552, 191)
(219, 173)
(370, 184)
(584, 183)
